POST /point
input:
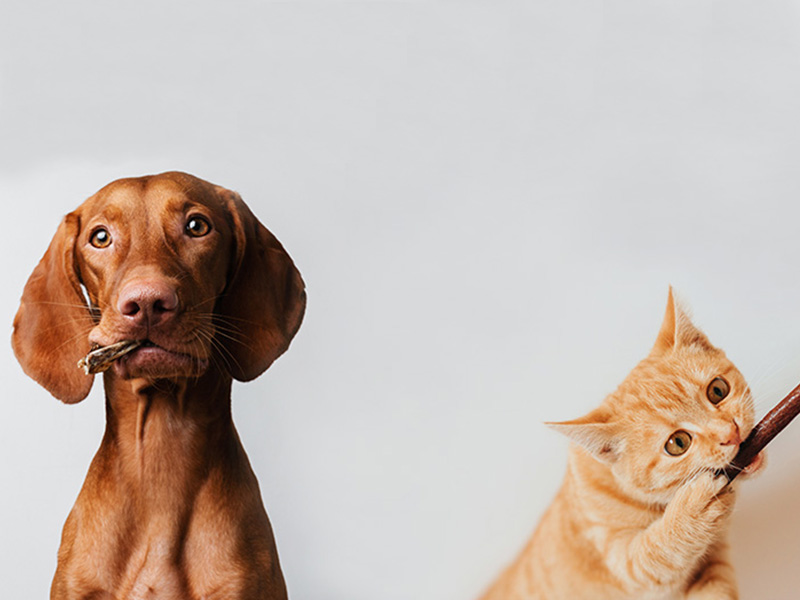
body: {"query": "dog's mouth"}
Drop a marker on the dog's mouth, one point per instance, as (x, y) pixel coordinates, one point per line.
(142, 358)
(100, 358)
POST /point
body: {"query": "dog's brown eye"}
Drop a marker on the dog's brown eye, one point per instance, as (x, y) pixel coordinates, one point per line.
(717, 390)
(100, 238)
(197, 227)
(678, 443)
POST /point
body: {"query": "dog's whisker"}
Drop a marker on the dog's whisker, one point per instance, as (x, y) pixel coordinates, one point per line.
(233, 339)
(70, 340)
(222, 351)
(63, 304)
(216, 353)
(232, 318)
(207, 300)
(230, 330)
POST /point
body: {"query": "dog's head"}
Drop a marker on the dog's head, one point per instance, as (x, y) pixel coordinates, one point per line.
(172, 261)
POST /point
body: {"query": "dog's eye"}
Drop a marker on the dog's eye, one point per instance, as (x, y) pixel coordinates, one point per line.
(197, 226)
(100, 238)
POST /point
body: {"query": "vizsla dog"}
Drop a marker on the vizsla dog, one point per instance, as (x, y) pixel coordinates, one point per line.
(170, 508)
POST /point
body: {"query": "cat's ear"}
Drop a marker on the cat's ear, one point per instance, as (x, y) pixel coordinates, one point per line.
(595, 432)
(677, 329)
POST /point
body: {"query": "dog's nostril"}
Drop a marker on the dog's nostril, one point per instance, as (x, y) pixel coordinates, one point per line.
(165, 304)
(130, 308)
(145, 301)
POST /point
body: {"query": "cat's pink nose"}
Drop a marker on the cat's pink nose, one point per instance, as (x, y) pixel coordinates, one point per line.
(733, 436)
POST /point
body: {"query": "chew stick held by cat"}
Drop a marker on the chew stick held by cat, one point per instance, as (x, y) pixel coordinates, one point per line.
(641, 512)
(764, 432)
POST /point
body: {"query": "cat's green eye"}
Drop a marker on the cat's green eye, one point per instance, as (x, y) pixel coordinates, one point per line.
(717, 390)
(678, 443)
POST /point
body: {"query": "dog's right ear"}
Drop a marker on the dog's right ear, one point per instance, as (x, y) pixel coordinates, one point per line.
(265, 295)
(53, 321)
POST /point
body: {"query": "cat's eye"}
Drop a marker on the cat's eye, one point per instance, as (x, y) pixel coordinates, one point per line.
(197, 226)
(678, 443)
(100, 238)
(717, 390)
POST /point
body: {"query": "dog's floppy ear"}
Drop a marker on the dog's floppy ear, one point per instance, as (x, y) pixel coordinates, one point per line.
(53, 321)
(264, 301)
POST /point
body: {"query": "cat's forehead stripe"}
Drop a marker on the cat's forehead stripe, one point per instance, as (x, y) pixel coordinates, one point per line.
(707, 374)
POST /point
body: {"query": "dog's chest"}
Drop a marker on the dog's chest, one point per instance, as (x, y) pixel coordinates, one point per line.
(153, 572)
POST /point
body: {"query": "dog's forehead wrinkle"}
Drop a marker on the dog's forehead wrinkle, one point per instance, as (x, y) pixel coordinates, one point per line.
(164, 189)
(178, 186)
(112, 202)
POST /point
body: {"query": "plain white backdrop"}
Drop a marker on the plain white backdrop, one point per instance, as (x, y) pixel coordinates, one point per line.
(487, 201)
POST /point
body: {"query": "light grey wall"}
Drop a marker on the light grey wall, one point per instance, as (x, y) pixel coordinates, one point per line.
(487, 201)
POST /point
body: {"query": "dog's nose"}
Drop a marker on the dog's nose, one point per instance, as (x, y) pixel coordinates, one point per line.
(148, 302)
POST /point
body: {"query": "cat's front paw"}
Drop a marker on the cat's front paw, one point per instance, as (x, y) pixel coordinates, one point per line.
(706, 498)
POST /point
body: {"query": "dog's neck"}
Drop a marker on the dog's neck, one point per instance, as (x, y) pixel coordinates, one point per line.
(167, 435)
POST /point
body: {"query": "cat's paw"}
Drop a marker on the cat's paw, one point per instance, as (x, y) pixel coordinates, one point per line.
(706, 497)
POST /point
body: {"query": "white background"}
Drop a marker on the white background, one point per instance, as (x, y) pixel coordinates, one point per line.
(487, 201)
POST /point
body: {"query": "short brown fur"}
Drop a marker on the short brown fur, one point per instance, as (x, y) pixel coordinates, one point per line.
(170, 508)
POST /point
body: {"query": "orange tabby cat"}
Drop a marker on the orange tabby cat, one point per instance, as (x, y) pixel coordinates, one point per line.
(640, 514)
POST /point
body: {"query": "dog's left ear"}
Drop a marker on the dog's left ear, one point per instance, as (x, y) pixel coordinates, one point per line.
(53, 321)
(263, 304)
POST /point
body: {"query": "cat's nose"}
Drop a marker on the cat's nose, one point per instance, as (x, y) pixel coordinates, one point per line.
(733, 436)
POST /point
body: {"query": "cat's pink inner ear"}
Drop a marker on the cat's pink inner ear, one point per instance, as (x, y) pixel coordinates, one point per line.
(677, 329)
(594, 432)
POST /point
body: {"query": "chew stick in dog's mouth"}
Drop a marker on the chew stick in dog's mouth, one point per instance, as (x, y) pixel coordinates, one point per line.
(101, 358)
(766, 429)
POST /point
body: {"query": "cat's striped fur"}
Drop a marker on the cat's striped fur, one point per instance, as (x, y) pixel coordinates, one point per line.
(632, 521)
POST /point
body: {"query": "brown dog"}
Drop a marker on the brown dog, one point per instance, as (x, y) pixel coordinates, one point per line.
(170, 508)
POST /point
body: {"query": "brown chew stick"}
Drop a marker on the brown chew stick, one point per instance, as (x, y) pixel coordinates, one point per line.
(101, 358)
(766, 429)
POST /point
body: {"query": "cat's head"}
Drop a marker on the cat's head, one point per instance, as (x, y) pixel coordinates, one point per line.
(685, 408)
